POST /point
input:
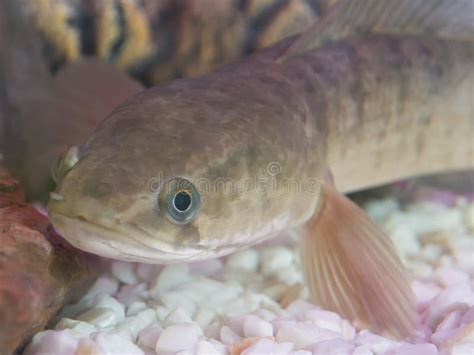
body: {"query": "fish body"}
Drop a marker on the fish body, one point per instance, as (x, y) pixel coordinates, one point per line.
(206, 166)
(346, 107)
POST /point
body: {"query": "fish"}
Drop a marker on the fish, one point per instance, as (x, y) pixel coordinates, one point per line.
(374, 91)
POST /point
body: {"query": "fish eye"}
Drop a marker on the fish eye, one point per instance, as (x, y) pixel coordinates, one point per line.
(180, 199)
(64, 163)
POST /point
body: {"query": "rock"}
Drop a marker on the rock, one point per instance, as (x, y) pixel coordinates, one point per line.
(39, 271)
(256, 327)
(178, 337)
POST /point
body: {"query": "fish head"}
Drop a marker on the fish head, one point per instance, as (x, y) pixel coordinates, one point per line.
(168, 180)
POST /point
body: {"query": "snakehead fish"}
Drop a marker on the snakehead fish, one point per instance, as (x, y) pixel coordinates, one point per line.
(374, 91)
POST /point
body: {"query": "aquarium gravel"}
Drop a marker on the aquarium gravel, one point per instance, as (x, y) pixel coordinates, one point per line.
(253, 302)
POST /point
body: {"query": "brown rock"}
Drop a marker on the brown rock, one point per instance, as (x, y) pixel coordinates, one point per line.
(39, 271)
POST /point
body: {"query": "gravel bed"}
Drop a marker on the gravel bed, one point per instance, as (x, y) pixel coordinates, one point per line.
(254, 302)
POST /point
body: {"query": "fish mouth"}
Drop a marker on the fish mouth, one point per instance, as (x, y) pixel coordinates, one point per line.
(118, 244)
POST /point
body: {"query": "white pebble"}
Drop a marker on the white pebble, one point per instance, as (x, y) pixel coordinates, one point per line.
(464, 348)
(178, 299)
(179, 315)
(179, 337)
(162, 313)
(204, 317)
(464, 258)
(124, 272)
(469, 216)
(380, 209)
(405, 240)
(117, 345)
(244, 260)
(420, 269)
(256, 327)
(170, 277)
(135, 307)
(430, 253)
(229, 292)
(205, 347)
(103, 300)
(290, 275)
(99, 317)
(135, 324)
(448, 276)
(77, 326)
(275, 258)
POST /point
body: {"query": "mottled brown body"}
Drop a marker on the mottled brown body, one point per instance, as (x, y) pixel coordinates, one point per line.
(393, 107)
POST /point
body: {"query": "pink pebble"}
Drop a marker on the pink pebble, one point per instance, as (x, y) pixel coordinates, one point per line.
(454, 297)
(304, 334)
(206, 267)
(325, 319)
(267, 346)
(279, 322)
(422, 333)
(299, 308)
(334, 347)
(362, 350)
(236, 324)
(451, 321)
(87, 346)
(414, 349)
(468, 316)
(424, 291)
(147, 272)
(148, 337)
(448, 276)
(131, 293)
(228, 336)
(54, 342)
(442, 336)
(376, 343)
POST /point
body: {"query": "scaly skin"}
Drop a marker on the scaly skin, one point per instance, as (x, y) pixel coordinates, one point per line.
(307, 115)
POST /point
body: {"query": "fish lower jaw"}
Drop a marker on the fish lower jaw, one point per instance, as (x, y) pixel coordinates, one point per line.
(111, 244)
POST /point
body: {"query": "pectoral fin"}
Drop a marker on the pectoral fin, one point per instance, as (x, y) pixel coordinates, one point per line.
(351, 267)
